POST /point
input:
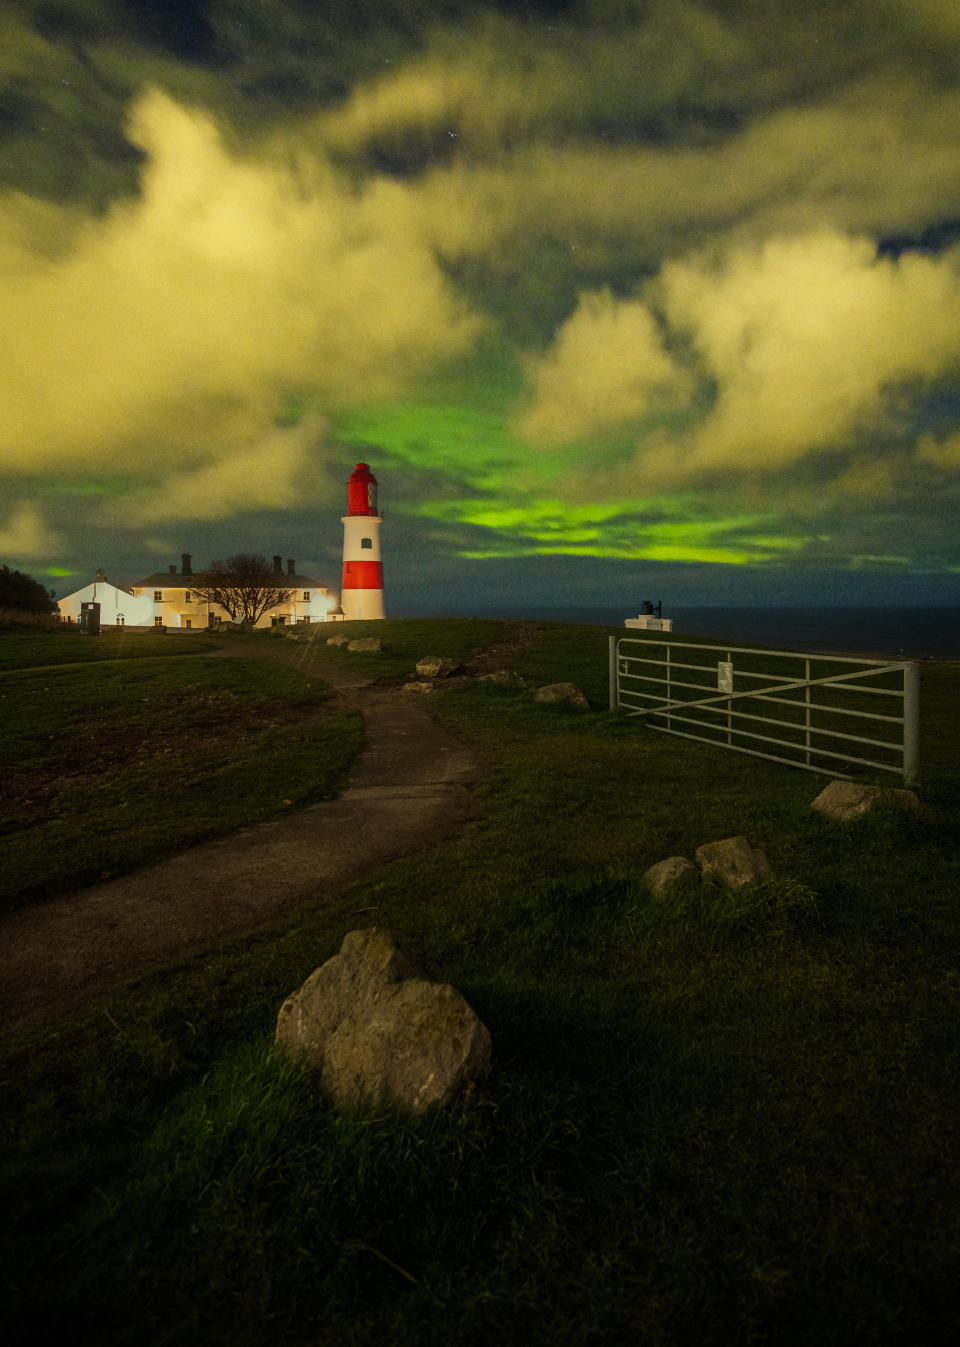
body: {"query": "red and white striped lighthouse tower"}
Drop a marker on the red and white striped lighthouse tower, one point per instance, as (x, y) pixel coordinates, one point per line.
(362, 585)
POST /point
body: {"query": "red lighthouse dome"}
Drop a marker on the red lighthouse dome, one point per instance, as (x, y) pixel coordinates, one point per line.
(361, 491)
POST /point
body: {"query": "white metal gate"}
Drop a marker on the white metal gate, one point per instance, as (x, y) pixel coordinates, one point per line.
(724, 700)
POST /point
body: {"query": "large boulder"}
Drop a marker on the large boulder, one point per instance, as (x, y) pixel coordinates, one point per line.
(848, 800)
(371, 643)
(733, 861)
(377, 1027)
(434, 666)
(341, 638)
(561, 694)
(666, 875)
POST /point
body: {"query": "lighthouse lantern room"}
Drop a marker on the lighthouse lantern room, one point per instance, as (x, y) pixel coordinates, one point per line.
(362, 582)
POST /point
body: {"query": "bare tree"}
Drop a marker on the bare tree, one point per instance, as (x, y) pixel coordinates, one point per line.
(243, 585)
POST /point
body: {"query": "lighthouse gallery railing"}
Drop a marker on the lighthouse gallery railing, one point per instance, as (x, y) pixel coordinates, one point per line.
(823, 703)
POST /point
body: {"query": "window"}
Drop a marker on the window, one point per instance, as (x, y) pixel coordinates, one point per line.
(187, 622)
(186, 596)
(366, 542)
(158, 596)
(306, 596)
(158, 621)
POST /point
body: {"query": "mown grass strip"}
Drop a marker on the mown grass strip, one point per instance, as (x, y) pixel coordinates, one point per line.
(29, 649)
(117, 764)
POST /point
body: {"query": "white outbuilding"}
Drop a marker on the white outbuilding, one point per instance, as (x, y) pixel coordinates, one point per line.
(119, 605)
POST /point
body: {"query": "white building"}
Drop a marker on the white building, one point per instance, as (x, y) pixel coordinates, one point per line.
(119, 606)
(172, 602)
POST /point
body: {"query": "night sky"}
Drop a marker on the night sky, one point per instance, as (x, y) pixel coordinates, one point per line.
(618, 298)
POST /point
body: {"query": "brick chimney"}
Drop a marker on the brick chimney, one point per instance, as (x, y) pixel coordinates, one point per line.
(172, 570)
(276, 565)
(291, 566)
(185, 564)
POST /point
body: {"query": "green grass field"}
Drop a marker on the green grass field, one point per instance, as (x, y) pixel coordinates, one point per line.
(25, 649)
(716, 1118)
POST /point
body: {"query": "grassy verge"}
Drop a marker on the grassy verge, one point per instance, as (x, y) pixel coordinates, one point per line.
(718, 1118)
(404, 642)
(116, 764)
(25, 649)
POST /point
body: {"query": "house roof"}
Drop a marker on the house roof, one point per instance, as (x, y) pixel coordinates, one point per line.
(177, 580)
(112, 584)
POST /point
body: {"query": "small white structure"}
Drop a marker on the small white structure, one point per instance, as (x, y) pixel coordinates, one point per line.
(119, 605)
(650, 619)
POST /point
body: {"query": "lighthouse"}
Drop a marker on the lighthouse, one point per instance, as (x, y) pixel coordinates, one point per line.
(362, 586)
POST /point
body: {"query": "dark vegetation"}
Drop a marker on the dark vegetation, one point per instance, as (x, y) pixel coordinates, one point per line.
(22, 598)
(721, 1118)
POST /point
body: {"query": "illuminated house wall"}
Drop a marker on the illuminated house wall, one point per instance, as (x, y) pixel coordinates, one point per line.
(172, 602)
(119, 605)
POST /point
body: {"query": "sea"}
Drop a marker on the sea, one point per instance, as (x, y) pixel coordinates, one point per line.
(901, 633)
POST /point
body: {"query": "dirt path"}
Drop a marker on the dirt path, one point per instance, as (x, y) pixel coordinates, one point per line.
(408, 788)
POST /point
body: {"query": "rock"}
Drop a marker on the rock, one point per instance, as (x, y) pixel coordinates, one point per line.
(505, 676)
(561, 693)
(366, 643)
(847, 799)
(734, 861)
(291, 635)
(433, 666)
(419, 687)
(665, 875)
(341, 638)
(379, 1028)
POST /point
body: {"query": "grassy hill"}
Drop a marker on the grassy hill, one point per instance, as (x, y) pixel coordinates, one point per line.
(715, 1118)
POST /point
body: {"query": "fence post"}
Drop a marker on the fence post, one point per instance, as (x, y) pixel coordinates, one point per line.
(612, 647)
(911, 724)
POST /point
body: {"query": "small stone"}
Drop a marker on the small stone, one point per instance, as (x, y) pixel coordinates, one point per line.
(557, 694)
(846, 800)
(434, 666)
(371, 643)
(419, 687)
(666, 875)
(504, 676)
(733, 861)
(341, 638)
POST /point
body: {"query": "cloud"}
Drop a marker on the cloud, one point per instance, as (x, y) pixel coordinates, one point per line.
(274, 473)
(806, 339)
(607, 366)
(942, 452)
(25, 536)
(193, 310)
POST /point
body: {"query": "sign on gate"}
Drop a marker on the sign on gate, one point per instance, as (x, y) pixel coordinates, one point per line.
(822, 713)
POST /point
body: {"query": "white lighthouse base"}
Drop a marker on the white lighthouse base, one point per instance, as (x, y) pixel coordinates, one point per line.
(362, 604)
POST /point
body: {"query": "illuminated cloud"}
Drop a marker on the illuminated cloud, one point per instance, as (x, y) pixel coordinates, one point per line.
(271, 474)
(198, 306)
(607, 367)
(807, 340)
(24, 536)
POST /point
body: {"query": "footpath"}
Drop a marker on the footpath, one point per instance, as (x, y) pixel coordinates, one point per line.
(407, 789)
